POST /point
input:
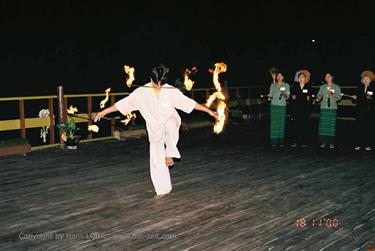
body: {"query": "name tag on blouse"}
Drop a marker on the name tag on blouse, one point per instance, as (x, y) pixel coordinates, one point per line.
(331, 90)
(282, 89)
(305, 91)
(370, 93)
(166, 104)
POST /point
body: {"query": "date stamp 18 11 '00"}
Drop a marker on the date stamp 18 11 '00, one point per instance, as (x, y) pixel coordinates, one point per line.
(322, 222)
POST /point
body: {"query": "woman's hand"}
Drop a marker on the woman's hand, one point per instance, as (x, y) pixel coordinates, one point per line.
(213, 114)
(354, 97)
(98, 116)
(205, 109)
(294, 97)
(101, 114)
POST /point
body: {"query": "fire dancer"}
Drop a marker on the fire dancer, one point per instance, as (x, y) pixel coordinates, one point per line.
(157, 104)
(329, 94)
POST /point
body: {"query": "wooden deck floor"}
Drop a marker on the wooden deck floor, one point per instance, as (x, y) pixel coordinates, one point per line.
(229, 192)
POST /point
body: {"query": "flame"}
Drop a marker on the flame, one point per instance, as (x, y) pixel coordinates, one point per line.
(221, 109)
(219, 68)
(130, 72)
(187, 81)
(102, 103)
(93, 128)
(129, 117)
(72, 110)
(219, 96)
(213, 97)
(64, 137)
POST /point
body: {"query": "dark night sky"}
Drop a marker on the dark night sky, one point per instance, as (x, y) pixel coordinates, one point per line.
(84, 44)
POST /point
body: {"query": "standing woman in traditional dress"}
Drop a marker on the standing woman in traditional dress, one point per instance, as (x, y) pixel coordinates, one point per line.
(365, 118)
(157, 102)
(301, 105)
(329, 94)
(279, 93)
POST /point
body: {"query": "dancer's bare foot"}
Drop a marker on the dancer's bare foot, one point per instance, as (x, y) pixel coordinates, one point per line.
(169, 161)
(159, 196)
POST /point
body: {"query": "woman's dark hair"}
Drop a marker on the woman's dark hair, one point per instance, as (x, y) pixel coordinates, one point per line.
(279, 72)
(330, 73)
(159, 74)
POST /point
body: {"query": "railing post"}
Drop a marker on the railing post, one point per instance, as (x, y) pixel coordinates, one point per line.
(21, 107)
(238, 96)
(51, 121)
(62, 110)
(261, 104)
(113, 100)
(226, 92)
(65, 106)
(249, 97)
(89, 114)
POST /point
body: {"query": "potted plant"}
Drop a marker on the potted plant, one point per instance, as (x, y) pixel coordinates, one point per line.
(14, 146)
(69, 134)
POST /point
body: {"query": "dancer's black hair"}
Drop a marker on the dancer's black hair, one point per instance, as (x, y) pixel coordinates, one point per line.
(159, 74)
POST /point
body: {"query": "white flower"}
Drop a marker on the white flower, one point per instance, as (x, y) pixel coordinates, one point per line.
(44, 113)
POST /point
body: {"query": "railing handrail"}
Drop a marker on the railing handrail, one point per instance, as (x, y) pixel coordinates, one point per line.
(67, 96)
(127, 93)
(110, 94)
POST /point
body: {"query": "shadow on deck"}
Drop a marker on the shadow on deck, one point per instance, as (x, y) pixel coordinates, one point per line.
(229, 192)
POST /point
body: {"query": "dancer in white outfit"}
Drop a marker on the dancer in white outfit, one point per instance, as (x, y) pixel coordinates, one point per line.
(157, 102)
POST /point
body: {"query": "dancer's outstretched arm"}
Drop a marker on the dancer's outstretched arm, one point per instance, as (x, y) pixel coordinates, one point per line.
(101, 114)
(202, 108)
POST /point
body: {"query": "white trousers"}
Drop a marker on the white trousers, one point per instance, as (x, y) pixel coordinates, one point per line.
(159, 150)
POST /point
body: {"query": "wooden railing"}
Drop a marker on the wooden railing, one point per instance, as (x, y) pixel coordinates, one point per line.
(247, 95)
(22, 123)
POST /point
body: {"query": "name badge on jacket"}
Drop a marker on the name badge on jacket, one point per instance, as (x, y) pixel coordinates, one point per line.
(282, 89)
(305, 91)
(370, 93)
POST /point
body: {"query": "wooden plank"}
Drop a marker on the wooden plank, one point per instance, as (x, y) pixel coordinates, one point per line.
(27, 98)
(11, 124)
(238, 195)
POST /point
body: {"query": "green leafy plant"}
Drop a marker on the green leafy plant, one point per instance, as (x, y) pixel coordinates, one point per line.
(70, 128)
